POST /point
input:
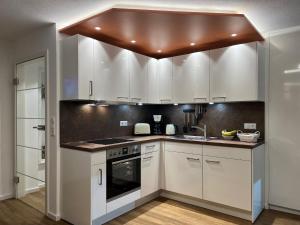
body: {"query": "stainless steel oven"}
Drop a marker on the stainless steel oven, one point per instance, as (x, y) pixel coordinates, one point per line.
(123, 171)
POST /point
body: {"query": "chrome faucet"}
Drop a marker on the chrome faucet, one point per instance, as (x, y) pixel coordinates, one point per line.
(202, 129)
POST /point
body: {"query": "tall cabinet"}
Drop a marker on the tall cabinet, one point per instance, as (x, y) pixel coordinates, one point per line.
(164, 73)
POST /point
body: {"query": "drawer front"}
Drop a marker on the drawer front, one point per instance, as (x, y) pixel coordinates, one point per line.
(227, 152)
(98, 157)
(183, 148)
(227, 181)
(150, 147)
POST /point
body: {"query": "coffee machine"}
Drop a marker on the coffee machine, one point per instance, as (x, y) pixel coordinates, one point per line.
(157, 124)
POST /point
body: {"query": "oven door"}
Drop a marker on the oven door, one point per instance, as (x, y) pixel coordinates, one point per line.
(123, 175)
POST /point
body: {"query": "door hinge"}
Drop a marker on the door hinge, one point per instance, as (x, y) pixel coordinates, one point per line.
(16, 81)
(17, 179)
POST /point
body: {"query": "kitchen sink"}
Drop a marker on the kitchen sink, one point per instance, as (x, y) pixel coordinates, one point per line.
(192, 137)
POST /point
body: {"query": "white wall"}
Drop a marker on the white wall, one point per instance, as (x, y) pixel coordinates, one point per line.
(6, 120)
(32, 45)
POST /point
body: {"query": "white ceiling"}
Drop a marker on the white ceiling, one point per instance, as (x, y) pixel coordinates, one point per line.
(19, 16)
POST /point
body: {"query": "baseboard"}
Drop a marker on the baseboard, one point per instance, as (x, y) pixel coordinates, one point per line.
(208, 205)
(6, 196)
(284, 209)
(53, 216)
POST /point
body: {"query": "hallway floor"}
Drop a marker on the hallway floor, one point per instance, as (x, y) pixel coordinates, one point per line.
(157, 212)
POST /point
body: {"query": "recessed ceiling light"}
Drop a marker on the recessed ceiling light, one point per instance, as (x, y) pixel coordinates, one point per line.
(133, 41)
(233, 35)
(159, 50)
(192, 44)
(97, 28)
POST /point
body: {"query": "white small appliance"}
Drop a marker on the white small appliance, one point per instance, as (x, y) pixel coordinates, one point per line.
(170, 129)
(142, 129)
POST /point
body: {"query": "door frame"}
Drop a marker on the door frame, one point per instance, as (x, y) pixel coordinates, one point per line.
(41, 54)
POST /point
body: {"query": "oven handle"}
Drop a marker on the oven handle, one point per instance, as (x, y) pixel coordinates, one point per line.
(126, 160)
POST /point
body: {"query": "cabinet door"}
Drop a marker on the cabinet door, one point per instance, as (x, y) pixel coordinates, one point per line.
(138, 67)
(149, 173)
(191, 78)
(183, 173)
(165, 80)
(227, 181)
(98, 190)
(85, 67)
(234, 73)
(153, 89)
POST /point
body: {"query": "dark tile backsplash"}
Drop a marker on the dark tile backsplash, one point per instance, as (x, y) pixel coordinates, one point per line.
(79, 121)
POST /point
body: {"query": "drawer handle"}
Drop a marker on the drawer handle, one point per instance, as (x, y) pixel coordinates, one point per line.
(150, 146)
(122, 97)
(212, 161)
(200, 98)
(149, 157)
(136, 99)
(219, 97)
(192, 159)
(100, 177)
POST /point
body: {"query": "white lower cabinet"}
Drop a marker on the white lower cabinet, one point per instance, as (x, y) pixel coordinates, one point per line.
(150, 173)
(183, 173)
(98, 190)
(227, 181)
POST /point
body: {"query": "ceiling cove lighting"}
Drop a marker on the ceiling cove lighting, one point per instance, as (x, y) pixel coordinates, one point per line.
(97, 28)
(233, 35)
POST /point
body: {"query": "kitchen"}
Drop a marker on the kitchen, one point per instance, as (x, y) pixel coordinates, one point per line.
(135, 109)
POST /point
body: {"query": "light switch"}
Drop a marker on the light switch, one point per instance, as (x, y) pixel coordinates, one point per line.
(123, 123)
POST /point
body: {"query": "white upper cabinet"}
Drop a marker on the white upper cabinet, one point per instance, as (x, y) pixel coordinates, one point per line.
(138, 67)
(191, 78)
(77, 68)
(234, 74)
(153, 89)
(164, 73)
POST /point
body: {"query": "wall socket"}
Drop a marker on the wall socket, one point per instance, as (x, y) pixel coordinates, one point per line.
(123, 123)
(250, 126)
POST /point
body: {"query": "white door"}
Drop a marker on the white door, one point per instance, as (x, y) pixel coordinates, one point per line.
(191, 78)
(234, 73)
(153, 90)
(164, 73)
(138, 67)
(30, 132)
(227, 181)
(183, 173)
(284, 120)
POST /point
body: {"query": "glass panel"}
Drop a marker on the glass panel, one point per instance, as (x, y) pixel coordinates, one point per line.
(30, 121)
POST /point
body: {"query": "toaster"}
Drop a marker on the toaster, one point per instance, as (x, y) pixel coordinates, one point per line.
(142, 128)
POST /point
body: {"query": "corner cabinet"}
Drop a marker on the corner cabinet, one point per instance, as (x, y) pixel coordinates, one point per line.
(77, 68)
(191, 78)
(237, 73)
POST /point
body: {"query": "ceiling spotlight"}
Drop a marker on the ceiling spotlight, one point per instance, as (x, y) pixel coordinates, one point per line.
(159, 50)
(192, 44)
(233, 35)
(97, 28)
(133, 41)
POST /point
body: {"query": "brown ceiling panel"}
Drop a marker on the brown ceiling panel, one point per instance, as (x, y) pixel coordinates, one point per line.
(169, 31)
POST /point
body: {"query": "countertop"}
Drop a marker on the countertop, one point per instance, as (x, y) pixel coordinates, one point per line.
(90, 147)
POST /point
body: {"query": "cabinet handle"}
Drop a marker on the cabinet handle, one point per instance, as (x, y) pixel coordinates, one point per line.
(136, 99)
(224, 97)
(91, 88)
(149, 157)
(150, 146)
(212, 161)
(200, 99)
(193, 159)
(40, 127)
(122, 97)
(100, 177)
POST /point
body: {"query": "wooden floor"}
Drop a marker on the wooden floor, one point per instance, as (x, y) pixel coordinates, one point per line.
(158, 212)
(36, 200)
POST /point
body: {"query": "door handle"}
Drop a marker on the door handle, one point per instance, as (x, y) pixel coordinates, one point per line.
(91, 88)
(193, 159)
(40, 127)
(213, 161)
(100, 177)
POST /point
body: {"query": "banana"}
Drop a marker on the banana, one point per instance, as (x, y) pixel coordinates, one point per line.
(229, 133)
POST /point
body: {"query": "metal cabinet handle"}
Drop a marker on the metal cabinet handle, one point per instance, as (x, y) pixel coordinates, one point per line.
(149, 157)
(100, 177)
(150, 146)
(136, 99)
(40, 127)
(126, 160)
(165, 100)
(213, 161)
(91, 88)
(193, 159)
(216, 97)
(122, 97)
(200, 98)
